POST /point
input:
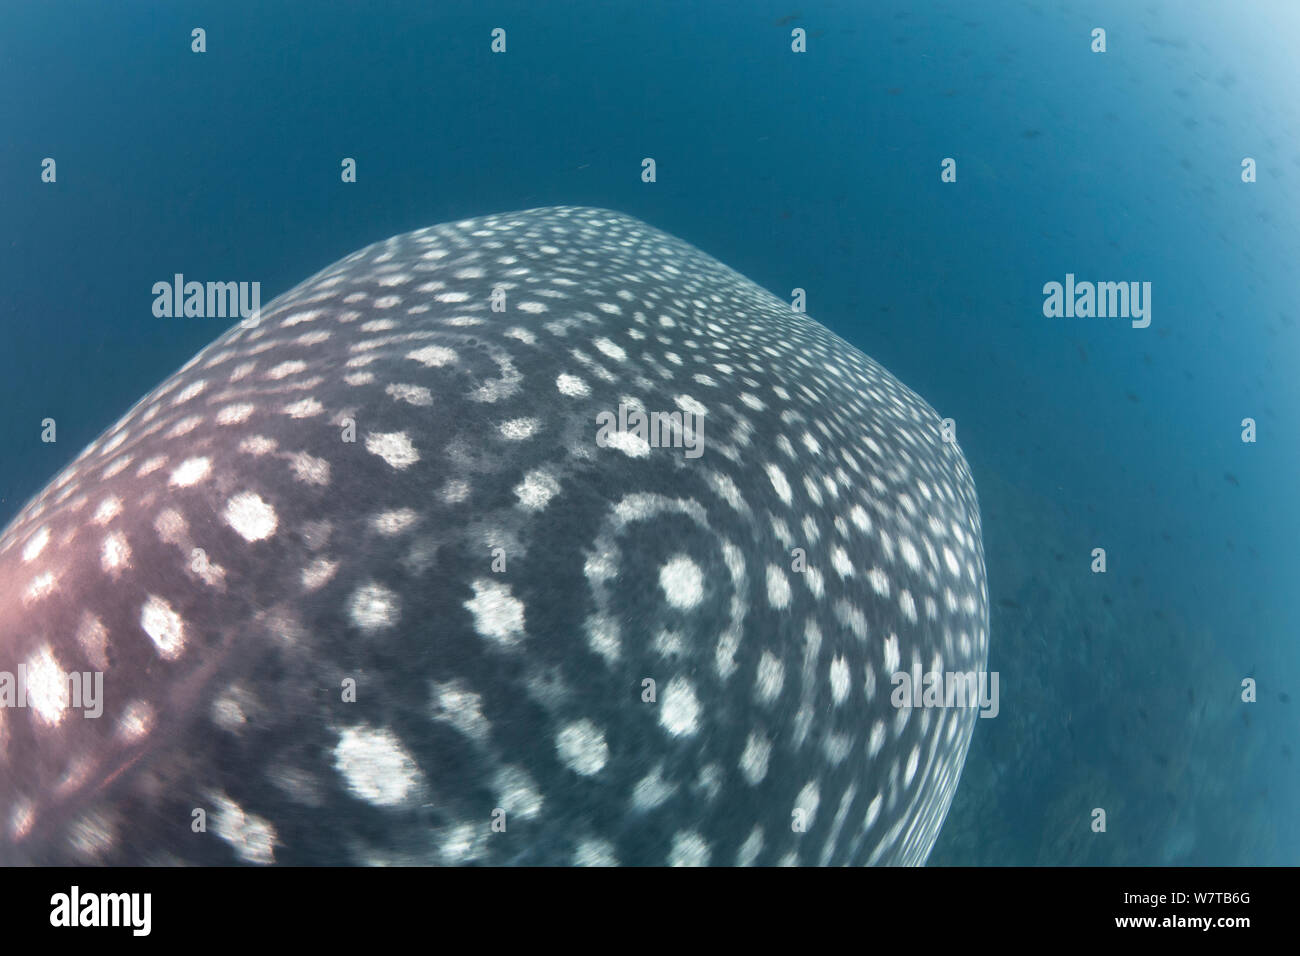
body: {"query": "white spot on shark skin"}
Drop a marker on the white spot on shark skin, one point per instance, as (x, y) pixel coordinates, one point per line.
(873, 812)
(892, 655)
(537, 489)
(679, 708)
(455, 491)
(454, 703)
(309, 469)
(150, 466)
(296, 318)
(877, 739)
(190, 391)
(317, 574)
(689, 849)
(593, 852)
(171, 527)
(136, 722)
(879, 581)
(912, 760)
(778, 587)
(498, 614)
(841, 563)
(813, 578)
(432, 356)
(394, 448)
(184, 426)
(117, 466)
(629, 443)
(572, 386)
(753, 762)
(652, 790)
(950, 560)
(92, 636)
(670, 644)
(285, 369)
(782, 487)
(610, 349)
(911, 557)
(36, 544)
(303, 408)
(47, 686)
(516, 793)
(258, 445)
(839, 680)
(91, 835)
(603, 637)
(251, 837)
(861, 519)
(21, 818)
(190, 472)
(376, 767)
(682, 582)
(251, 517)
(808, 800)
(726, 490)
(582, 747)
(907, 605)
(115, 554)
(836, 748)
(416, 395)
(40, 587)
(519, 429)
(393, 523)
(688, 404)
(108, 509)
(771, 676)
(164, 626)
(228, 710)
(373, 607)
(113, 443)
(751, 848)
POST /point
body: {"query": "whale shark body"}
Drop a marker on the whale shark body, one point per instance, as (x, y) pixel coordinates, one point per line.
(363, 587)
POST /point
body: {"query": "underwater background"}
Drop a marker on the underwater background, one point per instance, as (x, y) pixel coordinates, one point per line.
(819, 170)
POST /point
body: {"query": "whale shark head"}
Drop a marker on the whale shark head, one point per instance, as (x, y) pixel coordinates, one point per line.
(535, 538)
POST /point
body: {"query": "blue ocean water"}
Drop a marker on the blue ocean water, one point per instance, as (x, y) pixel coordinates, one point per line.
(818, 170)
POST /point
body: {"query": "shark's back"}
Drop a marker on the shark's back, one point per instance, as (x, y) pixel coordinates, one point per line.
(395, 576)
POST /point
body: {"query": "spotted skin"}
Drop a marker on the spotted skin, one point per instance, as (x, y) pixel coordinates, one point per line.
(232, 563)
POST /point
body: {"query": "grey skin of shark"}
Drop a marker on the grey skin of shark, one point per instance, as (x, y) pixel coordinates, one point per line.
(363, 587)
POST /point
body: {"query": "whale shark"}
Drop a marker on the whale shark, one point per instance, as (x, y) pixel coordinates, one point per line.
(414, 567)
